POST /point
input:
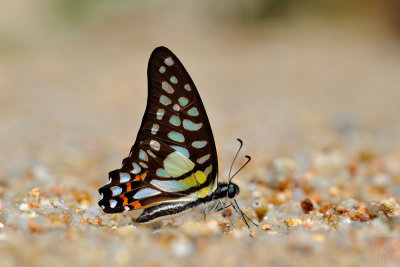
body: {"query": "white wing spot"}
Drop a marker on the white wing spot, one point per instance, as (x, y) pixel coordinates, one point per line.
(155, 128)
(155, 145)
(113, 203)
(151, 154)
(160, 113)
(144, 165)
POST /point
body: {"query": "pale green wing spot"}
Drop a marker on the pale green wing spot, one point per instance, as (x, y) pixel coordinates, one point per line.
(174, 120)
(168, 61)
(165, 100)
(183, 101)
(167, 87)
(193, 112)
(174, 186)
(191, 126)
(124, 177)
(176, 164)
(178, 137)
(162, 173)
(136, 168)
(174, 80)
(203, 159)
(199, 144)
(183, 150)
(116, 190)
(143, 155)
(146, 192)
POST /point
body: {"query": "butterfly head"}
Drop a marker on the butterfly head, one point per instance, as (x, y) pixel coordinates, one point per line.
(233, 190)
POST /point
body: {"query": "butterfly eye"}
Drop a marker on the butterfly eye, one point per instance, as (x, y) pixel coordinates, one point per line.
(231, 191)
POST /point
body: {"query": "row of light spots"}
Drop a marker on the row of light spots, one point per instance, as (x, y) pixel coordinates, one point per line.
(187, 87)
(146, 192)
(113, 203)
(167, 87)
(124, 177)
(162, 69)
(176, 107)
(174, 80)
(155, 128)
(183, 101)
(174, 120)
(155, 145)
(182, 150)
(203, 159)
(160, 113)
(168, 61)
(136, 168)
(151, 154)
(175, 136)
(165, 100)
(144, 165)
(116, 190)
(143, 155)
(193, 112)
(191, 126)
(199, 144)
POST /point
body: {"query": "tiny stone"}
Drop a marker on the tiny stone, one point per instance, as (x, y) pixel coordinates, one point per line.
(24, 207)
(307, 205)
(266, 227)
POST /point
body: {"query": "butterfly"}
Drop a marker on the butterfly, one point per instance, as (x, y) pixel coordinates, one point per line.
(172, 166)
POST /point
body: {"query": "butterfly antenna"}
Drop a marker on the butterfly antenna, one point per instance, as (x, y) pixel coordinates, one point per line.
(247, 162)
(237, 153)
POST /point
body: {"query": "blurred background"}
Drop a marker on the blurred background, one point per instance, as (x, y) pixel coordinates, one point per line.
(287, 77)
(312, 87)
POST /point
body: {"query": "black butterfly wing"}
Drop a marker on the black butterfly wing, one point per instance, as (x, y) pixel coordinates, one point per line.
(174, 155)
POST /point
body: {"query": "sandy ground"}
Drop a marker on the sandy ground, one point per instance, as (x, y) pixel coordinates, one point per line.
(316, 105)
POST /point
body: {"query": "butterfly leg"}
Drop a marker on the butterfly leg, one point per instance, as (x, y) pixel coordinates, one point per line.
(226, 213)
(218, 210)
(243, 215)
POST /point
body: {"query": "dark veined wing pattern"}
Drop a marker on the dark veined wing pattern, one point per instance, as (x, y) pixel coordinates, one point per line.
(174, 156)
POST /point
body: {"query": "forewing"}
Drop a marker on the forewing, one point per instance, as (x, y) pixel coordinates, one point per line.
(175, 120)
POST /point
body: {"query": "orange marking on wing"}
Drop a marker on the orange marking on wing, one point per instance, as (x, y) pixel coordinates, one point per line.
(143, 176)
(137, 178)
(128, 187)
(125, 199)
(136, 205)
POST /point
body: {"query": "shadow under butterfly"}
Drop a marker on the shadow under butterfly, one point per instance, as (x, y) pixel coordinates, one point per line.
(172, 166)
